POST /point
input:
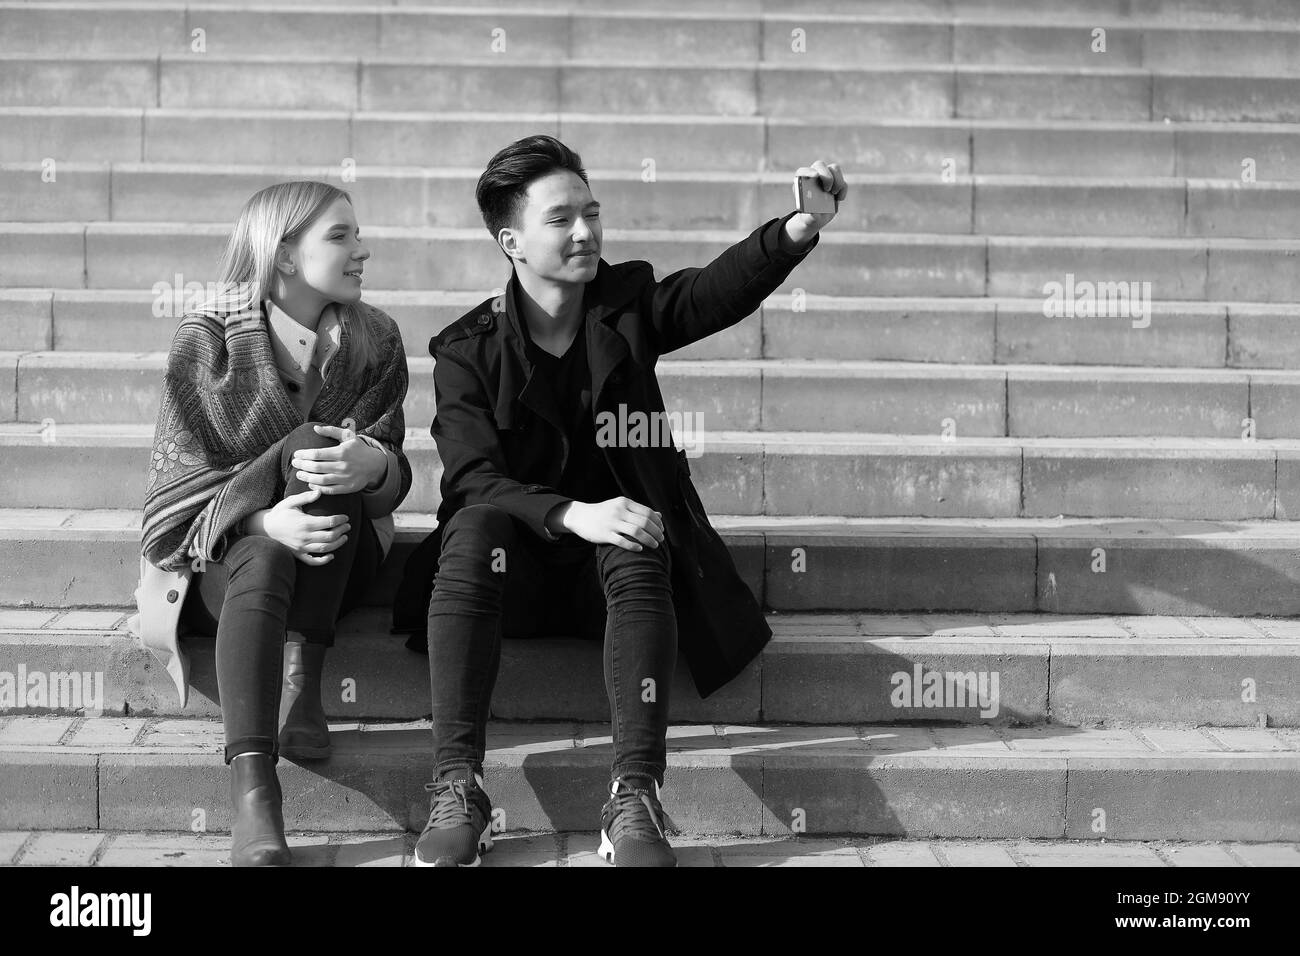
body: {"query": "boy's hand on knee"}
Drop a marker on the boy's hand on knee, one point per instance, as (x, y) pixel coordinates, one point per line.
(309, 537)
(619, 521)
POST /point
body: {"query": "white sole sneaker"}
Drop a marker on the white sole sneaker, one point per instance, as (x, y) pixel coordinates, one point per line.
(606, 850)
(484, 845)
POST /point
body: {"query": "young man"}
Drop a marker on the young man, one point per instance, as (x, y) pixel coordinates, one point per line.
(551, 525)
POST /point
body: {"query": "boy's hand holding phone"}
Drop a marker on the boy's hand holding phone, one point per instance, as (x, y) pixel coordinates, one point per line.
(818, 191)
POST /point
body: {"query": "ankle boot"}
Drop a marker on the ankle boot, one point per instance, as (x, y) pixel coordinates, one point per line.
(304, 734)
(257, 836)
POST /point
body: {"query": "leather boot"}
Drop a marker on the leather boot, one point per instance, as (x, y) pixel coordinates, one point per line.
(257, 837)
(304, 734)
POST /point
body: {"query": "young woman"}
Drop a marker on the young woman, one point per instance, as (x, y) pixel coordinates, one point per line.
(277, 465)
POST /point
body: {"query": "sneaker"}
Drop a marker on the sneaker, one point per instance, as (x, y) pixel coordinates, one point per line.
(460, 824)
(633, 825)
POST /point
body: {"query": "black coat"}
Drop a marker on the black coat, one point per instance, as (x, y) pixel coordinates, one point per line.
(502, 442)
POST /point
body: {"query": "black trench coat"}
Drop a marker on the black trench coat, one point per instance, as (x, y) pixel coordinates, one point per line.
(501, 440)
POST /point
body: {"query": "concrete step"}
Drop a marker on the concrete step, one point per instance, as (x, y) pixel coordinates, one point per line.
(663, 36)
(415, 196)
(951, 330)
(1028, 401)
(638, 85)
(115, 255)
(66, 558)
(1196, 11)
(1177, 11)
(682, 141)
(1003, 670)
(1046, 783)
(578, 849)
(792, 473)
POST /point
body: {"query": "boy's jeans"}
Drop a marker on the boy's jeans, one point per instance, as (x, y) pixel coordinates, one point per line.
(497, 578)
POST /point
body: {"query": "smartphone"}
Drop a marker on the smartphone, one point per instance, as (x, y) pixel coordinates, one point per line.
(809, 195)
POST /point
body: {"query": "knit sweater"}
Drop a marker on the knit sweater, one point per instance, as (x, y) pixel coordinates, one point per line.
(222, 425)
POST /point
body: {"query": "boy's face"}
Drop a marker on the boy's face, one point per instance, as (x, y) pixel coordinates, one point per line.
(559, 234)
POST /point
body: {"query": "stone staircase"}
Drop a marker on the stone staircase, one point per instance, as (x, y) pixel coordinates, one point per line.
(1030, 578)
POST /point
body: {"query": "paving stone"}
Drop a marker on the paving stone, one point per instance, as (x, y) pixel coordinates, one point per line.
(975, 854)
(1072, 740)
(1246, 739)
(1083, 854)
(310, 849)
(160, 849)
(205, 735)
(522, 851)
(108, 732)
(797, 852)
(898, 739)
(966, 740)
(901, 854)
(62, 849)
(35, 731)
(1213, 854)
(10, 842)
(371, 851)
(24, 619)
(89, 620)
(1268, 854)
(1157, 627)
(1180, 741)
(793, 860)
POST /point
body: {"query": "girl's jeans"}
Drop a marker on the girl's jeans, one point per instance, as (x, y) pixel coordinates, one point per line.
(259, 595)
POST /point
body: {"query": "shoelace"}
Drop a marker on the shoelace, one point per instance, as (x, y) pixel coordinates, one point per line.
(629, 819)
(451, 804)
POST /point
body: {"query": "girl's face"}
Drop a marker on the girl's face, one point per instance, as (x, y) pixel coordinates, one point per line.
(329, 256)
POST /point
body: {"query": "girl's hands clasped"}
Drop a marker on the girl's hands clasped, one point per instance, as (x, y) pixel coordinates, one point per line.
(310, 538)
(346, 467)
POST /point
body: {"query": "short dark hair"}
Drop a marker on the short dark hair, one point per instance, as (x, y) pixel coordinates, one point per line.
(501, 188)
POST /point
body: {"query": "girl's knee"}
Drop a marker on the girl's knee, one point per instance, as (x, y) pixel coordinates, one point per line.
(306, 436)
(259, 554)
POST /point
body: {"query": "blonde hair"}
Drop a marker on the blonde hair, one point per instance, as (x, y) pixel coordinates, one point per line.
(281, 213)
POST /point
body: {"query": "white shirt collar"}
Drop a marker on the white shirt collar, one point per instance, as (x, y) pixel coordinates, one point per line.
(296, 347)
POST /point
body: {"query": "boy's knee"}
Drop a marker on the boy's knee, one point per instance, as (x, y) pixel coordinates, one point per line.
(483, 522)
(620, 561)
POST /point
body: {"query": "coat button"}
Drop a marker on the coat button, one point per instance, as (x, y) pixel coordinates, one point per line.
(172, 596)
(483, 320)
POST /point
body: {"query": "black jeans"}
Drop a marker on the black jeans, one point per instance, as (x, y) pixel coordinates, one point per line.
(497, 578)
(259, 595)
